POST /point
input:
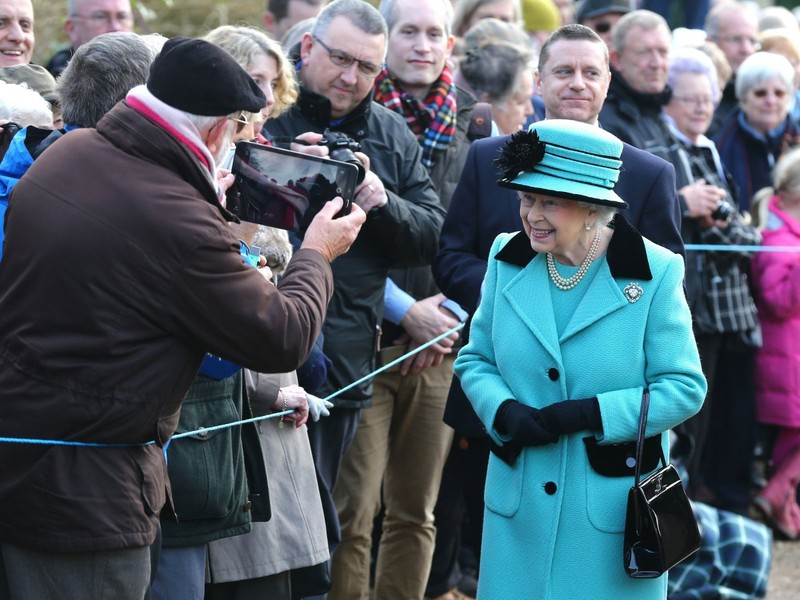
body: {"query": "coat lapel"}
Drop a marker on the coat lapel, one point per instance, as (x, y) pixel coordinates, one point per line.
(533, 304)
(602, 298)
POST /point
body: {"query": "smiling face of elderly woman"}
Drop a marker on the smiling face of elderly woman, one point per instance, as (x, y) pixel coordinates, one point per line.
(559, 226)
(764, 86)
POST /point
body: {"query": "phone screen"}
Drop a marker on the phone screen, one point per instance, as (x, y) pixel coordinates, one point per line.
(285, 189)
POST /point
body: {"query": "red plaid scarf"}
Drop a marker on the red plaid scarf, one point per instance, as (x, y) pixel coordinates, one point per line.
(433, 121)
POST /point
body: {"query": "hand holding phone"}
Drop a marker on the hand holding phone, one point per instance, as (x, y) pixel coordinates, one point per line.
(285, 189)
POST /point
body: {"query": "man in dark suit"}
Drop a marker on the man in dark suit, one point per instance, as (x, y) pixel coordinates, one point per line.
(573, 79)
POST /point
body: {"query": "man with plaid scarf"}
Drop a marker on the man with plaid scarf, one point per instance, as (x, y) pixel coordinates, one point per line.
(401, 443)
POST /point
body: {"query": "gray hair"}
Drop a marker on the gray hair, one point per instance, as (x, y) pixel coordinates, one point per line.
(638, 19)
(388, 9)
(100, 74)
(295, 33)
(74, 7)
(360, 13)
(24, 106)
(691, 60)
(761, 67)
(771, 17)
(716, 16)
(493, 69)
(204, 122)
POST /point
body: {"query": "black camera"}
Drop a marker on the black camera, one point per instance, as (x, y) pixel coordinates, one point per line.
(724, 211)
(341, 147)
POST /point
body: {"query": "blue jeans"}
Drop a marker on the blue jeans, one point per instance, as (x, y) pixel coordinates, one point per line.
(181, 574)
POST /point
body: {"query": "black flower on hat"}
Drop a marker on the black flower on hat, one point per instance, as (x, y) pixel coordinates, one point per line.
(521, 153)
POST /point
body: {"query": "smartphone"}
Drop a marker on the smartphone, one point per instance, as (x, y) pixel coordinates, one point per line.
(285, 189)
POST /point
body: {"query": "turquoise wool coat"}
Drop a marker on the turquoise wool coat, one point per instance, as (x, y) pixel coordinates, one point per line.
(553, 527)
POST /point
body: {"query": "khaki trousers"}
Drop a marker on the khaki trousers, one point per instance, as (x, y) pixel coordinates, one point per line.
(402, 443)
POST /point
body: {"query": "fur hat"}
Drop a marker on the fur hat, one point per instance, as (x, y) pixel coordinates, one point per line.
(565, 159)
(200, 78)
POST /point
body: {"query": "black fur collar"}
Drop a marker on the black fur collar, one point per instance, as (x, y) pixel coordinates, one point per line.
(626, 254)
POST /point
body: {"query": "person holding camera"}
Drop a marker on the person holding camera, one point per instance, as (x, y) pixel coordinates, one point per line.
(723, 309)
(337, 63)
(114, 287)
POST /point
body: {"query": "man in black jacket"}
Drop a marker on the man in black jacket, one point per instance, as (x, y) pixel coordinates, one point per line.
(338, 62)
(638, 91)
(385, 462)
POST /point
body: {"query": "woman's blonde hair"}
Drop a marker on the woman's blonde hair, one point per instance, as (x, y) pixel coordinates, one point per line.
(785, 179)
(244, 43)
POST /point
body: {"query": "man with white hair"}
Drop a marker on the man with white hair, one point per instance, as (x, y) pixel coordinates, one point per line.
(98, 353)
(86, 19)
(638, 91)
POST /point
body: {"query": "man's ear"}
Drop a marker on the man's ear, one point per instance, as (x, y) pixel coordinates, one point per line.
(217, 134)
(69, 28)
(269, 21)
(451, 40)
(613, 58)
(305, 46)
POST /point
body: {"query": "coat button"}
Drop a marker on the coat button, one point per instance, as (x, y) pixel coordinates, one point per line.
(550, 487)
(553, 374)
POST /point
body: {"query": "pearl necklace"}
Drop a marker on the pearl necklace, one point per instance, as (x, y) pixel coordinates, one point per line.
(564, 283)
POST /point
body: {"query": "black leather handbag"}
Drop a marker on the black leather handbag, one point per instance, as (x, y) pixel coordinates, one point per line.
(660, 526)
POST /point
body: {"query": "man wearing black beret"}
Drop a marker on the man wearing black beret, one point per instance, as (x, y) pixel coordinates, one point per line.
(120, 273)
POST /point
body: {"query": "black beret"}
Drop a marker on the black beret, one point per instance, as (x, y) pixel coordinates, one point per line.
(200, 78)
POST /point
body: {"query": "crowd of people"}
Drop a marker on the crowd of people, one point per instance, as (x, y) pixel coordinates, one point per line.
(562, 205)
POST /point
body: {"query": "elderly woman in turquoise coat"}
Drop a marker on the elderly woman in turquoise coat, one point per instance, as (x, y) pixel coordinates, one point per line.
(578, 315)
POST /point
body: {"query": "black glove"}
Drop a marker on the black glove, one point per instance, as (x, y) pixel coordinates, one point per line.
(570, 416)
(523, 423)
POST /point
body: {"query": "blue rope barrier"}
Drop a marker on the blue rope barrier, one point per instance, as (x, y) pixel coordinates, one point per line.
(735, 248)
(203, 430)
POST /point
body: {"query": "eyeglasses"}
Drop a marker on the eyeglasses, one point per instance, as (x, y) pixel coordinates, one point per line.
(738, 40)
(691, 100)
(343, 60)
(763, 93)
(106, 18)
(241, 121)
(602, 27)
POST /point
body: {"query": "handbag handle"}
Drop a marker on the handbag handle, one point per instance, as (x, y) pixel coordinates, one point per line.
(640, 436)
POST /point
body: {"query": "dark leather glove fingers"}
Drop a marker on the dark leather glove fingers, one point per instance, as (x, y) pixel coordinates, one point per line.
(571, 416)
(524, 424)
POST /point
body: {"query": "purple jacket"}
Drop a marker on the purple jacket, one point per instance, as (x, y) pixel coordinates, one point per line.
(776, 278)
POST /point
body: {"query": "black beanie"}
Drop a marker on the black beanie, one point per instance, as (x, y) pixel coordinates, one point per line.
(200, 78)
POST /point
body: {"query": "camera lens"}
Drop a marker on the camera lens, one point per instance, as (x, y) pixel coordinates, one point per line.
(723, 212)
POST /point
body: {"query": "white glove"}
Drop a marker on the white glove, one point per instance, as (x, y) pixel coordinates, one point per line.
(318, 407)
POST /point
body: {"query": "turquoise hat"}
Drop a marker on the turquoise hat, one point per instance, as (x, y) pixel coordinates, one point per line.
(563, 158)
